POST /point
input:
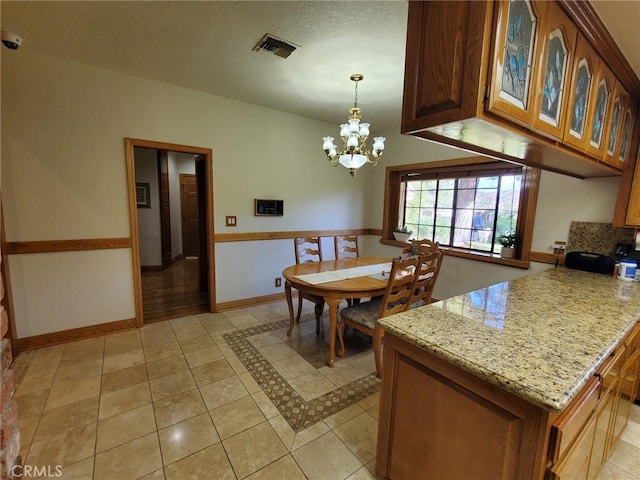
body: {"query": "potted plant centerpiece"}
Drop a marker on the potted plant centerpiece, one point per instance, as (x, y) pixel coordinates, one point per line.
(402, 234)
(508, 240)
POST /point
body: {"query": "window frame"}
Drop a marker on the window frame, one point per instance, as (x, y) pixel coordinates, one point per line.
(394, 176)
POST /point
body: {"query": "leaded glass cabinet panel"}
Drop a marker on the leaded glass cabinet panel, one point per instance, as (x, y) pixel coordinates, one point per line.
(580, 103)
(580, 95)
(599, 114)
(626, 135)
(554, 78)
(550, 92)
(518, 53)
(614, 131)
(514, 59)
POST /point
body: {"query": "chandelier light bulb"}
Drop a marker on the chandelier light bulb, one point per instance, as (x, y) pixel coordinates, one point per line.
(353, 153)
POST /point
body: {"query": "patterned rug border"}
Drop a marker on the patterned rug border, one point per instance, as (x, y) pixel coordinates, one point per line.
(299, 413)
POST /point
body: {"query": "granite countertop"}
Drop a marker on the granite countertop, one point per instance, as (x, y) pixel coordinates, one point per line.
(539, 337)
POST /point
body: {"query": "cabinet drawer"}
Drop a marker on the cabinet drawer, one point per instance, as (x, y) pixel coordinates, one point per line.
(610, 369)
(633, 340)
(571, 421)
(576, 463)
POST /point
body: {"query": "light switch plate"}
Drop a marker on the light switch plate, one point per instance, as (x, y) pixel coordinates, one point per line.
(231, 221)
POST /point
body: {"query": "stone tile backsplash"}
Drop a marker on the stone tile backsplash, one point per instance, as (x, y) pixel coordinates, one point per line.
(597, 238)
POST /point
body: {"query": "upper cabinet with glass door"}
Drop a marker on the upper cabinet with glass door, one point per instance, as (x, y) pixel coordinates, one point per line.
(613, 135)
(580, 96)
(628, 120)
(599, 111)
(527, 81)
(557, 47)
(514, 59)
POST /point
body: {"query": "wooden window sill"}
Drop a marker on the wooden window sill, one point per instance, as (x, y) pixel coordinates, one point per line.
(481, 257)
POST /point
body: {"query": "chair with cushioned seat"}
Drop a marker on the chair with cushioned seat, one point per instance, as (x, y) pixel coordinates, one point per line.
(308, 249)
(364, 316)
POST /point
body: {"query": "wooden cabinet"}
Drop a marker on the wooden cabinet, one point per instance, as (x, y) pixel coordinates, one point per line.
(422, 433)
(575, 465)
(439, 421)
(514, 66)
(598, 119)
(569, 424)
(613, 136)
(581, 95)
(584, 435)
(557, 47)
(515, 79)
(631, 205)
(626, 388)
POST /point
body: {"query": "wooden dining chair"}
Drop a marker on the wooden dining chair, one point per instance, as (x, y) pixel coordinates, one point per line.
(425, 246)
(430, 264)
(364, 316)
(308, 249)
(346, 246)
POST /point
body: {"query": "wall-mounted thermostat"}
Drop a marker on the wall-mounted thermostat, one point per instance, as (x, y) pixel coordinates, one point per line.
(274, 208)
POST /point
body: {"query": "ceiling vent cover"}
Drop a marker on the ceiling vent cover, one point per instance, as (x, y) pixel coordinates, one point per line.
(277, 46)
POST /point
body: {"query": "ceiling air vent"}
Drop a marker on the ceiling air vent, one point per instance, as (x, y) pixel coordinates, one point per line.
(277, 46)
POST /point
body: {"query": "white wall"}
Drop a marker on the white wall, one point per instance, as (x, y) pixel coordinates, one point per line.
(146, 167)
(64, 177)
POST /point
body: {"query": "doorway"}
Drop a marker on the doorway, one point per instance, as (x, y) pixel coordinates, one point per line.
(171, 206)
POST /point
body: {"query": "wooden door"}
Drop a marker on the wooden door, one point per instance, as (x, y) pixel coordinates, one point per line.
(165, 208)
(205, 224)
(557, 47)
(189, 214)
(514, 65)
(443, 62)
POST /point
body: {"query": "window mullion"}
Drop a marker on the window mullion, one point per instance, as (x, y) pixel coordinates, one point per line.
(454, 213)
(435, 211)
(496, 208)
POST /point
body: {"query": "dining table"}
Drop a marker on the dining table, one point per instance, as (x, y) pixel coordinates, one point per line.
(336, 281)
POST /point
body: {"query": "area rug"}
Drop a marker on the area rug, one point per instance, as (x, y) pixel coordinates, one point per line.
(300, 414)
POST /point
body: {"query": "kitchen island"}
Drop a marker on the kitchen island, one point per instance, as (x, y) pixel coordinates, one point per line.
(511, 381)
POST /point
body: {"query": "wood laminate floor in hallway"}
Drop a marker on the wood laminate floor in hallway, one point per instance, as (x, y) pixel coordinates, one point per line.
(173, 292)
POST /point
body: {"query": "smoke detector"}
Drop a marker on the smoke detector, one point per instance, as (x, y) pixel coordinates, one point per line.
(276, 46)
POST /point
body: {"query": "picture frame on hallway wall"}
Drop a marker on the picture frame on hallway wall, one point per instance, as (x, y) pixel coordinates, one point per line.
(143, 195)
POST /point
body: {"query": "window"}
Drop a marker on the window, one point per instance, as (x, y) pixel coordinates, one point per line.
(464, 205)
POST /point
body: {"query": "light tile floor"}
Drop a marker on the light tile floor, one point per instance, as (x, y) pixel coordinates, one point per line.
(173, 400)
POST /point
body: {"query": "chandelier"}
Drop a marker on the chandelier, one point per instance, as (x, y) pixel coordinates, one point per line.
(354, 135)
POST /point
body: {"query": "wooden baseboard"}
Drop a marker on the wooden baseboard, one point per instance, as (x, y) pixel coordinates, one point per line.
(247, 302)
(64, 336)
(544, 257)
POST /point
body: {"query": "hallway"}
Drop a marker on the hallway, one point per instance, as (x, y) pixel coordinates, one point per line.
(172, 292)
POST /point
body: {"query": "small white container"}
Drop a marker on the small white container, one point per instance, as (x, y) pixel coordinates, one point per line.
(627, 270)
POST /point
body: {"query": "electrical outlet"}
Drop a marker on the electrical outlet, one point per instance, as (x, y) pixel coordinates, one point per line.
(559, 247)
(278, 282)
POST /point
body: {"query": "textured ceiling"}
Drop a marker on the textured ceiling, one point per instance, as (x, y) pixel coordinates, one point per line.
(207, 46)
